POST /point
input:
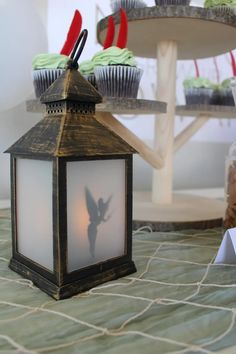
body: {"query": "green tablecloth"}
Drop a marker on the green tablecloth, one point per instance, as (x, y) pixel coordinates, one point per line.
(177, 302)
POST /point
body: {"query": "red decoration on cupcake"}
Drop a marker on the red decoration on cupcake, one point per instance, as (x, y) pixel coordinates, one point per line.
(110, 33)
(196, 68)
(123, 32)
(233, 63)
(217, 70)
(72, 34)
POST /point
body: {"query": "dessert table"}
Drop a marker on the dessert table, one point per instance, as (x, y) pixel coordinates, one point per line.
(169, 33)
(177, 302)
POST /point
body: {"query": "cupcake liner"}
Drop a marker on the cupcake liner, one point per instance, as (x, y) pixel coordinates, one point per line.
(172, 2)
(118, 80)
(223, 10)
(42, 79)
(234, 92)
(91, 79)
(216, 98)
(227, 97)
(126, 4)
(198, 95)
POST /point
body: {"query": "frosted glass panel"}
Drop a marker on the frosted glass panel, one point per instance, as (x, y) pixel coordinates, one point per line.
(34, 210)
(95, 211)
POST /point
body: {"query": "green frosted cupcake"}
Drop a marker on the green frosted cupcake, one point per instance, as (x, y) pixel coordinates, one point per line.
(172, 2)
(86, 68)
(226, 92)
(221, 7)
(198, 90)
(126, 4)
(233, 87)
(115, 70)
(116, 73)
(46, 69)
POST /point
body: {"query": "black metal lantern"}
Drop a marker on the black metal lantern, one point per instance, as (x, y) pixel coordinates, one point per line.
(71, 181)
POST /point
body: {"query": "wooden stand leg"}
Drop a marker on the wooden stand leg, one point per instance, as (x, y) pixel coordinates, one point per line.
(164, 125)
(189, 131)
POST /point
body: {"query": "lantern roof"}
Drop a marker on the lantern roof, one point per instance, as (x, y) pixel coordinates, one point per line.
(70, 135)
(71, 85)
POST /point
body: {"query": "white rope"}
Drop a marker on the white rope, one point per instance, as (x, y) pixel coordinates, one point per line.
(168, 243)
(122, 330)
(57, 313)
(221, 336)
(20, 281)
(16, 345)
(18, 317)
(174, 260)
(143, 230)
(162, 339)
(202, 280)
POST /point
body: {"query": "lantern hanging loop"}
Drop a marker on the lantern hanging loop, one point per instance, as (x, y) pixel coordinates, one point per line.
(77, 50)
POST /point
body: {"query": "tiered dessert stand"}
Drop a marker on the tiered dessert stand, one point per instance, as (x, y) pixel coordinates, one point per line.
(169, 33)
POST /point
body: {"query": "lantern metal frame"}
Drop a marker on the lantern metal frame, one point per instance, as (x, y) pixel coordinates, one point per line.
(65, 135)
(59, 283)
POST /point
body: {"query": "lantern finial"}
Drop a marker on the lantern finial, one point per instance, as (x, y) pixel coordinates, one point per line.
(76, 53)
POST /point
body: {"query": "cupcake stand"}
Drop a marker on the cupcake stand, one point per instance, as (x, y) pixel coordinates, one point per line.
(169, 33)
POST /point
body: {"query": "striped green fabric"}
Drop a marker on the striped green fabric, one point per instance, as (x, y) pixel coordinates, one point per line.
(177, 302)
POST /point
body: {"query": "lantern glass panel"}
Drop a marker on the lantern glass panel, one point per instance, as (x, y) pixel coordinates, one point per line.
(34, 210)
(96, 200)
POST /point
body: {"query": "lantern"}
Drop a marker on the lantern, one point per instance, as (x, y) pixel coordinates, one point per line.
(71, 181)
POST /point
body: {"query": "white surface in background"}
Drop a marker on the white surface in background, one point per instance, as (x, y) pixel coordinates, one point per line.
(23, 34)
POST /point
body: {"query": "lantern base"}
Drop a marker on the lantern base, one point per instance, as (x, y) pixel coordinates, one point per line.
(78, 286)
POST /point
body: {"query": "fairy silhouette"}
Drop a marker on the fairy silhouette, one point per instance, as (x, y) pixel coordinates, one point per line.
(97, 215)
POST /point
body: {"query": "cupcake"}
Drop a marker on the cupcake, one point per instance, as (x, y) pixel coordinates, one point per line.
(216, 98)
(114, 67)
(226, 92)
(223, 94)
(221, 6)
(86, 69)
(172, 2)
(126, 4)
(46, 69)
(233, 87)
(116, 73)
(198, 90)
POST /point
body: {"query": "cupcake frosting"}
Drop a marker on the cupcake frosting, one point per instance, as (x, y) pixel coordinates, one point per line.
(197, 82)
(227, 83)
(50, 61)
(110, 56)
(211, 3)
(86, 67)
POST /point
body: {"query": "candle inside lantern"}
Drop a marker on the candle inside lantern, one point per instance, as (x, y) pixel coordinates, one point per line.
(96, 194)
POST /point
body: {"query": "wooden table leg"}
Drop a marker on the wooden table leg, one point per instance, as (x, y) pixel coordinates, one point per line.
(164, 125)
